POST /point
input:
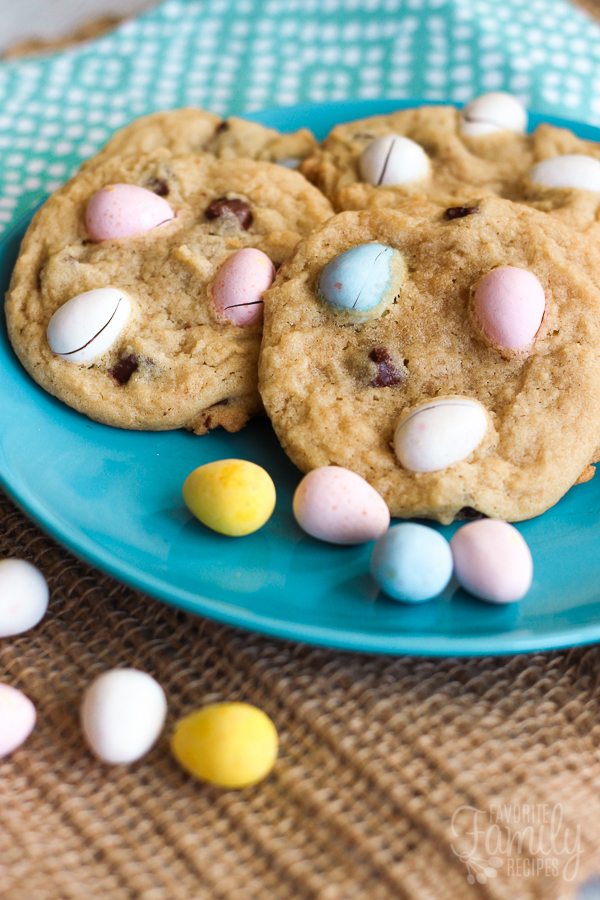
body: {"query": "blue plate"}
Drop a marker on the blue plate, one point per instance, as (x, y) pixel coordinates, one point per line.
(114, 498)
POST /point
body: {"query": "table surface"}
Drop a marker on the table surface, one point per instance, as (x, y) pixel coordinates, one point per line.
(397, 777)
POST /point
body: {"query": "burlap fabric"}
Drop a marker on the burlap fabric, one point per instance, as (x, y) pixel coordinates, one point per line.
(379, 758)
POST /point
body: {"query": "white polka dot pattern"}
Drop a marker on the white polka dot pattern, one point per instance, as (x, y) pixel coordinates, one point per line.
(234, 56)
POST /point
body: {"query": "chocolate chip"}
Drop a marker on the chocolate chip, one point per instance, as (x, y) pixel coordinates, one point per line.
(124, 368)
(158, 186)
(224, 206)
(459, 212)
(387, 373)
(467, 513)
(221, 127)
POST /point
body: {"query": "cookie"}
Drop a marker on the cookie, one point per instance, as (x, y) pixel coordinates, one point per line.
(382, 160)
(162, 248)
(448, 357)
(191, 130)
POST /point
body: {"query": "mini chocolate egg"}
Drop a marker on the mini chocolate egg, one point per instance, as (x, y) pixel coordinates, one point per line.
(17, 719)
(362, 280)
(493, 112)
(239, 285)
(122, 715)
(231, 745)
(439, 433)
(393, 159)
(124, 210)
(412, 563)
(574, 170)
(232, 496)
(336, 505)
(23, 596)
(492, 561)
(289, 162)
(508, 307)
(87, 325)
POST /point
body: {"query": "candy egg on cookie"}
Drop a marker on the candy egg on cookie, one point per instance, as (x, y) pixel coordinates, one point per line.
(393, 159)
(508, 305)
(87, 325)
(362, 281)
(491, 113)
(239, 285)
(123, 211)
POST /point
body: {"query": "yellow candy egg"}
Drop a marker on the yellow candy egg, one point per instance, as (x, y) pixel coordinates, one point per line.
(232, 745)
(231, 496)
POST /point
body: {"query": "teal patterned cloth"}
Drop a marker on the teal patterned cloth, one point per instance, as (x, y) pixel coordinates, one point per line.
(232, 56)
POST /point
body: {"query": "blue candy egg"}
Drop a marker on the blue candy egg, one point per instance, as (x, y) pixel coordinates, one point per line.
(412, 563)
(360, 279)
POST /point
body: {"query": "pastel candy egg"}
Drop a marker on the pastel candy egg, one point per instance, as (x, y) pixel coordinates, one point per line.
(493, 112)
(336, 505)
(290, 162)
(573, 170)
(122, 715)
(492, 561)
(239, 285)
(509, 305)
(124, 210)
(23, 597)
(439, 433)
(393, 159)
(17, 719)
(361, 279)
(87, 325)
(412, 563)
(232, 496)
(232, 745)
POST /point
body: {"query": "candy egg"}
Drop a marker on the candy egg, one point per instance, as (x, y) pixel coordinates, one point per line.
(363, 279)
(17, 719)
(290, 162)
(393, 159)
(411, 563)
(336, 505)
(574, 170)
(23, 596)
(124, 210)
(87, 325)
(122, 715)
(231, 496)
(239, 284)
(509, 305)
(232, 745)
(492, 112)
(439, 433)
(492, 561)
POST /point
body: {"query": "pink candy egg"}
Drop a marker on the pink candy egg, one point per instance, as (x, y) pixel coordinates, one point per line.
(239, 284)
(17, 718)
(509, 306)
(492, 561)
(124, 210)
(336, 505)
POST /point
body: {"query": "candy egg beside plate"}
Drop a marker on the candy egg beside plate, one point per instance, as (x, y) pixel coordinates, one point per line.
(492, 561)
(412, 563)
(23, 596)
(17, 719)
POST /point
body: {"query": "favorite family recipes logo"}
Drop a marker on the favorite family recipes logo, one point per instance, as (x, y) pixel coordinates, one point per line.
(516, 839)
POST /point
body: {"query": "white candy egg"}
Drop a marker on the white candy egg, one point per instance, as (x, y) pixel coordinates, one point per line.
(493, 112)
(439, 433)
(574, 170)
(87, 325)
(393, 159)
(23, 597)
(122, 715)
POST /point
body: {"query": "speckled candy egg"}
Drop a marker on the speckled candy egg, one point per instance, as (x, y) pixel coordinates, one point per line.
(393, 160)
(232, 745)
(574, 170)
(508, 306)
(23, 596)
(232, 496)
(412, 563)
(492, 561)
(17, 719)
(239, 285)
(362, 280)
(336, 505)
(493, 112)
(124, 210)
(87, 325)
(439, 433)
(122, 715)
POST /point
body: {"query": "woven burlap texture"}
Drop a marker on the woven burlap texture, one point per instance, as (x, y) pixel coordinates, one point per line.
(377, 755)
